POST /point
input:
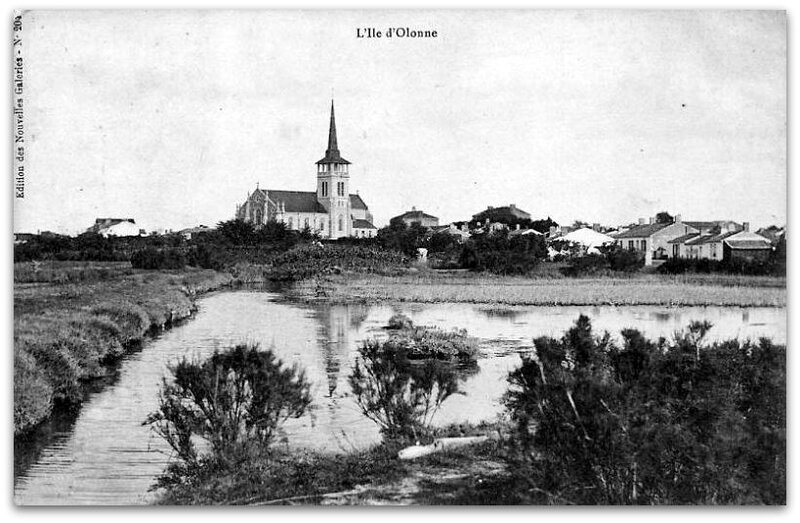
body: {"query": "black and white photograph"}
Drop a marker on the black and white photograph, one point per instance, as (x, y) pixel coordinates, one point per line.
(399, 257)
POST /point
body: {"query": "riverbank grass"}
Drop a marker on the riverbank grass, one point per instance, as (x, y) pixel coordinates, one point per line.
(72, 320)
(643, 289)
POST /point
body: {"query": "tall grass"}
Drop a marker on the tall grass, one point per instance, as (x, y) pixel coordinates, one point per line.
(642, 290)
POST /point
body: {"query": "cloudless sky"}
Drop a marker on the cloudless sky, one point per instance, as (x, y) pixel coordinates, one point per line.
(605, 116)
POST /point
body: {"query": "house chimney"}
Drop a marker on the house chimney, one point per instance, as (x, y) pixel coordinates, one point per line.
(652, 220)
(413, 208)
(517, 226)
(677, 218)
(596, 227)
(641, 221)
(512, 206)
(746, 226)
(553, 230)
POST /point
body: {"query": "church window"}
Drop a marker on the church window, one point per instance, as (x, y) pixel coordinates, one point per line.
(324, 188)
(341, 224)
(291, 223)
(258, 217)
(305, 223)
(322, 225)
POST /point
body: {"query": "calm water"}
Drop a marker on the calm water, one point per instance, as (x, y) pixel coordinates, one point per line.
(105, 456)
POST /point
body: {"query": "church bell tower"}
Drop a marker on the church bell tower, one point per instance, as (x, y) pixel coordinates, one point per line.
(333, 186)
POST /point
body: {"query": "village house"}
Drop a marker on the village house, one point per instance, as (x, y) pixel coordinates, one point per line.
(194, 232)
(497, 213)
(653, 238)
(331, 211)
(746, 246)
(460, 232)
(115, 227)
(415, 216)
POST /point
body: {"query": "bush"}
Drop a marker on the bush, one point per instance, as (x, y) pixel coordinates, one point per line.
(307, 261)
(500, 254)
(234, 401)
(152, 258)
(667, 422)
(400, 396)
(411, 342)
(612, 259)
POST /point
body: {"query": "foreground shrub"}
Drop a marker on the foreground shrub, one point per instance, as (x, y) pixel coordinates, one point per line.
(234, 401)
(668, 422)
(400, 396)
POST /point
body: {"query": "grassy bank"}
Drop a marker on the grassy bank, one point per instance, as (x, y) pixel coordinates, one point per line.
(475, 474)
(72, 319)
(459, 287)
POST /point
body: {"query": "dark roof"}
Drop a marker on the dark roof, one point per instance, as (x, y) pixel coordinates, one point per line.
(684, 238)
(102, 223)
(362, 224)
(332, 152)
(414, 215)
(306, 201)
(643, 231)
(750, 245)
(297, 201)
(357, 203)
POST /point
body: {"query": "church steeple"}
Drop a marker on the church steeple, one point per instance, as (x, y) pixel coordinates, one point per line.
(332, 152)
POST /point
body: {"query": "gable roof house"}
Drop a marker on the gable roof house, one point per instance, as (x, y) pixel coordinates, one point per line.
(653, 238)
(747, 246)
(415, 216)
(115, 227)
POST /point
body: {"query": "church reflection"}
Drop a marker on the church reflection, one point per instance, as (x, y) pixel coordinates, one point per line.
(338, 324)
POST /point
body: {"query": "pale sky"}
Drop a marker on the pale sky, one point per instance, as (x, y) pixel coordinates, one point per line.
(606, 116)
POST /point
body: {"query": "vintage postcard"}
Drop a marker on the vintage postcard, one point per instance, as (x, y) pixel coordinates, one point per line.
(399, 257)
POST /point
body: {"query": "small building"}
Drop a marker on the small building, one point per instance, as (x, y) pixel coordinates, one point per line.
(653, 238)
(415, 216)
(746, 246)
(364, 228)
(498, 213)
(587, 239)
(118, 227)
(460, 232)
(194, 232)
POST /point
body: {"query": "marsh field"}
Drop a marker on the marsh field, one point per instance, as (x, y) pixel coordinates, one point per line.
(94, 340)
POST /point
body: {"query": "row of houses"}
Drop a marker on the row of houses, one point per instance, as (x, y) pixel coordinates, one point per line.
(657, 240)
(709, 240)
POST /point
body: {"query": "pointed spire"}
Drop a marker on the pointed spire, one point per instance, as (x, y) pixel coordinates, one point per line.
(333, 148)
(332, 154)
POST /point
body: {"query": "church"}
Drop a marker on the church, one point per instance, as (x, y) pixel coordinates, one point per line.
(331, 211)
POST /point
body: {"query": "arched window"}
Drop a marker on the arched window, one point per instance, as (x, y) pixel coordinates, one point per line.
(341, 224)
(322, 225)
(258, 216)
(290, 223)
(305, 223)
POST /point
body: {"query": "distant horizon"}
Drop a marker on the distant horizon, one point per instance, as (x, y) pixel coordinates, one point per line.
(599, 116)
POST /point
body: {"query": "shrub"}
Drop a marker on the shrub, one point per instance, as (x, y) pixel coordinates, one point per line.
(668, 422)
(500, 254)
(418, 342)
(314, 260)
(399, 396)
(152, 258)
(234, 401)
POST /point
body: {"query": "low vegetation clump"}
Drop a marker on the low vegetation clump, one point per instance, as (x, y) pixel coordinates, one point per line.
(611, 261)
(418, 342)
(317, 260)
(649, 422)
(234, 402)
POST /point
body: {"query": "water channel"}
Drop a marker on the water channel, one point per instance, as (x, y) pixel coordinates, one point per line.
(103, 454)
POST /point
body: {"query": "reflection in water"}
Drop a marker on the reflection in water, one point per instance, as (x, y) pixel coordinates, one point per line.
(106, 456)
